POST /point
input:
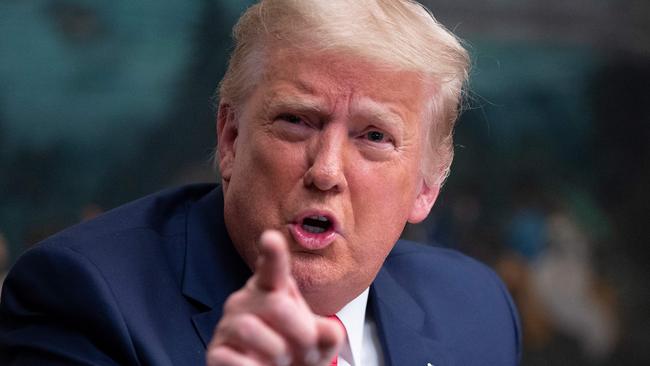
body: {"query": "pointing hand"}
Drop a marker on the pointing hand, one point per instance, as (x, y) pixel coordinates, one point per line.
(268, 322)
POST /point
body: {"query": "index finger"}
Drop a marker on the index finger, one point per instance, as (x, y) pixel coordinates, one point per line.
(273, 267)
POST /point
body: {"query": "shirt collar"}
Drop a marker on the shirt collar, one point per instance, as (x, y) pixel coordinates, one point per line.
(353, 317)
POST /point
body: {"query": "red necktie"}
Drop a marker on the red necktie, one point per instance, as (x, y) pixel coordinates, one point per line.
(335, 359)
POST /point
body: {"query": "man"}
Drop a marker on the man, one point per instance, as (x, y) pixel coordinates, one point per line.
(334, 130)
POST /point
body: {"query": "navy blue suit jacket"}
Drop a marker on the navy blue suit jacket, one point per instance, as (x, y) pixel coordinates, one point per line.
(144, 284)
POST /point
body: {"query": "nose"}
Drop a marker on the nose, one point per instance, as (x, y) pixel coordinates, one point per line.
(326, 162)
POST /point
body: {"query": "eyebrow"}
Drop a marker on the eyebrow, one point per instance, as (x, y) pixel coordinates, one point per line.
(378, 113)
(292, 102)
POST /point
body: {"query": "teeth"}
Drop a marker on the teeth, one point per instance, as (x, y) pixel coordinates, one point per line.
(319, 218)
(316, 224)
(313, 229)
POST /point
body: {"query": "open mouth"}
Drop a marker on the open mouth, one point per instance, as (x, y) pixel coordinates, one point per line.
(314, 230)
(316, 224)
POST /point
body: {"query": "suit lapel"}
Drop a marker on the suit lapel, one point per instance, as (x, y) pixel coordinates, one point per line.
(213, 269)
(400, 324)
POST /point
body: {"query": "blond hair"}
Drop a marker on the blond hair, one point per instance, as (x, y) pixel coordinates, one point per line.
(399, 33)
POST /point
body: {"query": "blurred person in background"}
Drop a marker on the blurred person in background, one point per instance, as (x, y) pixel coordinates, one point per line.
(548, 245)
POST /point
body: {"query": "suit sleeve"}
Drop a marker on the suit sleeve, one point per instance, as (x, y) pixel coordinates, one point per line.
(57, 309)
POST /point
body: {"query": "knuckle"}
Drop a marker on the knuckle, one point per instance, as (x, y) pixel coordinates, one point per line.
(235, 301)
(216, 355)
(251, 283)
(237, 329)
(246, 327)
(298, 326)
(220, 334)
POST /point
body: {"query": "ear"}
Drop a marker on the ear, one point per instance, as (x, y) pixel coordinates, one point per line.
(423, 202)
(226, 140)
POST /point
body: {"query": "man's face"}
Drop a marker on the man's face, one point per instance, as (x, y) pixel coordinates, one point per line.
(327, 149)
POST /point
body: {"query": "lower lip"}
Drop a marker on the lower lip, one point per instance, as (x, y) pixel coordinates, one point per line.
(309, 240)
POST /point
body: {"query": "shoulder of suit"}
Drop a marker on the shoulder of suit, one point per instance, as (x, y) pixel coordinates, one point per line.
(162, 213)
(416, 263)
(457, 290)
(424, 256)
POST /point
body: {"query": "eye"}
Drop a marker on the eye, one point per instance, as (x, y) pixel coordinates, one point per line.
(291, 118)
(291, 127)
(375, 136)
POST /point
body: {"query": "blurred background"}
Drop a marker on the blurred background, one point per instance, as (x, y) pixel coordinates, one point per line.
(102, 102)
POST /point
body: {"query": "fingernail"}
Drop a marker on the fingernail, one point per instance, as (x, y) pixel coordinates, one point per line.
(283, 360)
(312, 356)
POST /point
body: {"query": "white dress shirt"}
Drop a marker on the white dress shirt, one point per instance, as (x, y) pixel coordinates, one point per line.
(361, 346)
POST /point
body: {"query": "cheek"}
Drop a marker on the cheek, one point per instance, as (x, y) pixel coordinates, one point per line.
(382, 200)
(270, 164)
(389, 187)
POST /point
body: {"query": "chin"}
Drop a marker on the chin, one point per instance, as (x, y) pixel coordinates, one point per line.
(313, 272)
(325, 285)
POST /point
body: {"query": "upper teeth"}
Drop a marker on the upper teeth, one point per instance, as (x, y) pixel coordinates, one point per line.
(319, 218)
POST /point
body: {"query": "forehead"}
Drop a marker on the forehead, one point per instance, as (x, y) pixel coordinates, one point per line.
(331, 75)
